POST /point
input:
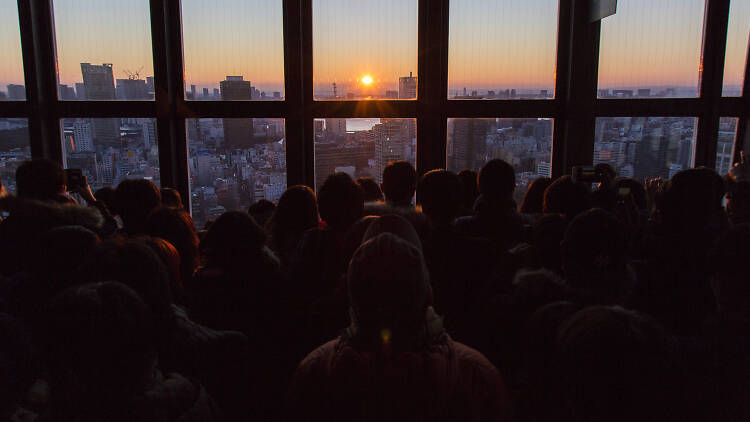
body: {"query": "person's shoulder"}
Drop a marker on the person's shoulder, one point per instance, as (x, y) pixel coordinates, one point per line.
(469, 358)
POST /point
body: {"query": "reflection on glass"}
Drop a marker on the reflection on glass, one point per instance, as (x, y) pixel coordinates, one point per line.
(738, 38)
(11, 65)
(503, 49)
(14, 149)
(110, 150)
(365, 49)
(104, 50)
(362, 147)
(233, 163)
(234, 49)
(526, 144)
(641, 147)
(651, 48)
(725, 144)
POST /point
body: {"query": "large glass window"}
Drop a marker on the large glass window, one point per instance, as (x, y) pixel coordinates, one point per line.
(365, 49)
(11, 65)
(651, 48)
(504, 49)
(725, 144)
(14, 149)
(110, 150)
(104, 50)
(362, 147)
(233, 49)
(233, 163)
(738, 38)
(641, 147)
(526, 144)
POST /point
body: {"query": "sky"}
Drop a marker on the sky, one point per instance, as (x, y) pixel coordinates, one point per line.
(493, 44)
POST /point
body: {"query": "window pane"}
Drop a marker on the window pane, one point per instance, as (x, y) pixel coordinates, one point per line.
(234, 49)
(503, 49)
(641, 147)
(111, 150)
(738, 37)
(365, 49)
(526, 144)
(233, 163)
(362, 147)
(11, 63)
(651, 48)
(725, 145)
(104, 50)
(14, 149)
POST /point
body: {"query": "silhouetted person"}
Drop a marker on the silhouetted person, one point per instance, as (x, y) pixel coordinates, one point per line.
(170, 257)
(495, 216)
(738, 192)
(176, 226)
(18, 366)
(102, 359)
(41, 179)
(106, 195)
(533, 200)
(134, 201)
(595, 257)
(370, 189)
(468, 180)
(566, 197)
(261, 211)
(171, 198)
(395, 361)
(399, 183)
(296, 213)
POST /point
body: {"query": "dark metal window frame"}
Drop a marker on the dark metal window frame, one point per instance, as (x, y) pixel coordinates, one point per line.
(574, 108)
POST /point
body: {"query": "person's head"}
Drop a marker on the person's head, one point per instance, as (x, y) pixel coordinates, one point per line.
(41, 179)
(297, 211)
(730, 259)
(62, 252)
(546, 237)
(261, 211)
(637, 191)
(399, 182)
(340, 201)
(370, 189)
(737, 181)
(233, 241)
(497, 180)
(170, 197)
(100, 344)
(16, 364)
(613, 365)
(533, 200)
(595, 253)
(691, 198)
(394, 224)
(134, 201)
(468, 180)
(106, 196)
(170, 257)
(389, 291)
(566, 197)
(176, 226)
(440, 194)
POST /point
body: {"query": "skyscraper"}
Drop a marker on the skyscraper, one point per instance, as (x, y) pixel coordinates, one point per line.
(469, 143)
(16, 92)
(336, 127)
(82, 136)
(99, 84)
(238, 133)
(389, 144)
(132, 89)
(407, 87)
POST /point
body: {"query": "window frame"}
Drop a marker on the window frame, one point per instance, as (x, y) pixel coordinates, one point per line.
(574, 108)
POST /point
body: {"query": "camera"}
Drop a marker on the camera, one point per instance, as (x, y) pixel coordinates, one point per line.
(586, 174)
(73, 179)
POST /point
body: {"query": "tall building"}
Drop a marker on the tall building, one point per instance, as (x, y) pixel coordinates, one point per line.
(469, 143)
(16, 92)
(66, 92)
(238, 133)
(407, 87)
(336, 127)
(390, 144)
(82, 137)
(80, 91)
(99, 84)
(132, 89)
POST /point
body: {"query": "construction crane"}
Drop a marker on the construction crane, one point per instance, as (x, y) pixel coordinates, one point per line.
(134, 75)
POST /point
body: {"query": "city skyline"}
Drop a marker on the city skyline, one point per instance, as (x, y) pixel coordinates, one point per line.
(349, 44)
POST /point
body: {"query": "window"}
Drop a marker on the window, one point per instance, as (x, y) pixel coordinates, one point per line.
(110, 150)
(651, 48)
(104, 50)
(362, 147)
(364, 49)
(233, 49)
(14, 149)
(502, 49)
(725, 144)
(233, 163)
(11, 65)
(526, 144)
(641, 147)
(738, 37)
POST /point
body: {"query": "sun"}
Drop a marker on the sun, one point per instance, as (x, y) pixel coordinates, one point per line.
(367, 79)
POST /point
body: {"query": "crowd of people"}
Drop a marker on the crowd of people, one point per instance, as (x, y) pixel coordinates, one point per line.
(432, 297)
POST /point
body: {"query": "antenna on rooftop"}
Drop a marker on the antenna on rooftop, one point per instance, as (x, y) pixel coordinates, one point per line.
(134, 75)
